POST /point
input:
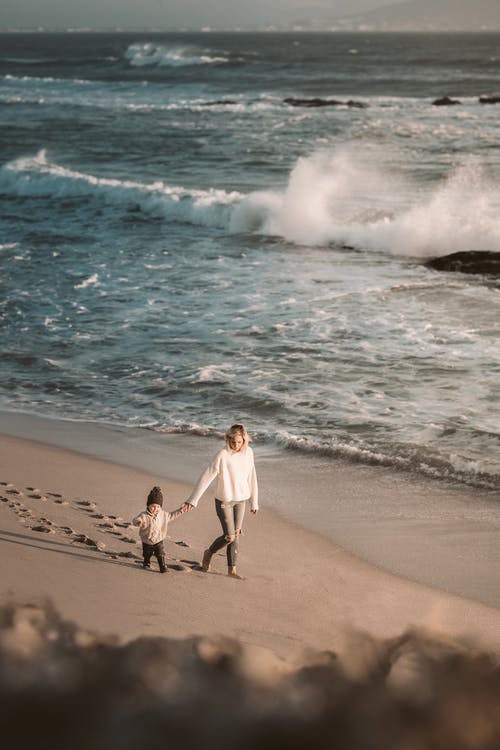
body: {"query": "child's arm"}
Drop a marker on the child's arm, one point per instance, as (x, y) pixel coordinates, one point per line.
(139, 520)
(174, 514)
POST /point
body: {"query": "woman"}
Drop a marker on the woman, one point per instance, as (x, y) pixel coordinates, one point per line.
(234, 469)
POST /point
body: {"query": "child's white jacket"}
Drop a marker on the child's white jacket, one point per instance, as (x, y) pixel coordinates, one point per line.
(153, 529)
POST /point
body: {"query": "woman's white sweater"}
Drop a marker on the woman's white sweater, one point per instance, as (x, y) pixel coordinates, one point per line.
(236, 478)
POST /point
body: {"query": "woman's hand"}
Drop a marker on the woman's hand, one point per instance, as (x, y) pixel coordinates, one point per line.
(186, 507)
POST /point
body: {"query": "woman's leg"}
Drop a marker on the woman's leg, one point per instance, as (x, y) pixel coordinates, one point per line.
(225, 516)
(232, 547)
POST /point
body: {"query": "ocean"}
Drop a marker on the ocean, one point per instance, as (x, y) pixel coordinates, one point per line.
(181, 248)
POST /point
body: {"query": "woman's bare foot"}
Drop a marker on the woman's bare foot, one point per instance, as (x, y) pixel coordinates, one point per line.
(205, 563)
(231, 571)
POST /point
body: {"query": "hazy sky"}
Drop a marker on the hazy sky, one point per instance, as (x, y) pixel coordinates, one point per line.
(172, 14)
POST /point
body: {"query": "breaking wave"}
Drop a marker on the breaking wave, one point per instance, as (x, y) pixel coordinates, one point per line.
(423, 460)
(40, 177)
(330, 198)
(345, 197)
(151, 54)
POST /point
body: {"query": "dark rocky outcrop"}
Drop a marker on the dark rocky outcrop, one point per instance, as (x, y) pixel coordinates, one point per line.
(445, 101)
(220, 102)
(357, 105)
(318, 102)
(471, 261)
(489, 99)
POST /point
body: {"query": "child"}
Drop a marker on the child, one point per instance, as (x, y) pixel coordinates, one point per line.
(153, 523)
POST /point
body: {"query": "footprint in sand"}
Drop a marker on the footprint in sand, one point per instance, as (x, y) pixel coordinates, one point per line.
(21, 511)
(84, 539)
(106, 525)
(44, 525)
(128, 539)
(43, 529)
(86, 504)
(182, 544)
(37, 496)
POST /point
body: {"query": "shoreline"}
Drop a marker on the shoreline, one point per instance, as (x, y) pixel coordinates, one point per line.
(302, 592)
(436, 533)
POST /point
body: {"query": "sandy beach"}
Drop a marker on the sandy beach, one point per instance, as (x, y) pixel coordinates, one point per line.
(356, 654)
(66, 535)
(207, 228)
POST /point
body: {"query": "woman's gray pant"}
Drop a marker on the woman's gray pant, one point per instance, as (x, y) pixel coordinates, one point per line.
(230, 516)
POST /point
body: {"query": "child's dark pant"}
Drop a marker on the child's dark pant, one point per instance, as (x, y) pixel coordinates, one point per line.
(158, 550)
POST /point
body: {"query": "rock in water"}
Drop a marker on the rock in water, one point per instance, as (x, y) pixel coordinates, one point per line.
(489, 99)
(445, 101)
(318, 102)
(470, 261)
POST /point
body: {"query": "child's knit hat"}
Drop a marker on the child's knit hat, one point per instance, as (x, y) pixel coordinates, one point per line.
(155, 497)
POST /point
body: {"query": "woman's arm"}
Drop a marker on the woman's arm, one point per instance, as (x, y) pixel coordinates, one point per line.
(204, 481)
(254, 490)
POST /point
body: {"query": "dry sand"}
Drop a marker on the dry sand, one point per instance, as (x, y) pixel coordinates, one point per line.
(315, 648)
(66, 535)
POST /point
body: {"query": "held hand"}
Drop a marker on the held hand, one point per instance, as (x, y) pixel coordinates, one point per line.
(186, 507)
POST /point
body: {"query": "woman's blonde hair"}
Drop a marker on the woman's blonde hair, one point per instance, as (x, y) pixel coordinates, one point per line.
(238, 429)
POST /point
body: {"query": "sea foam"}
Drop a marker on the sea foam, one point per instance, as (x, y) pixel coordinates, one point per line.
(151, 54)
(341, 197)
(333, 197)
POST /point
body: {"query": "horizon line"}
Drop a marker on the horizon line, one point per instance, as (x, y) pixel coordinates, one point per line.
(334, 29)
